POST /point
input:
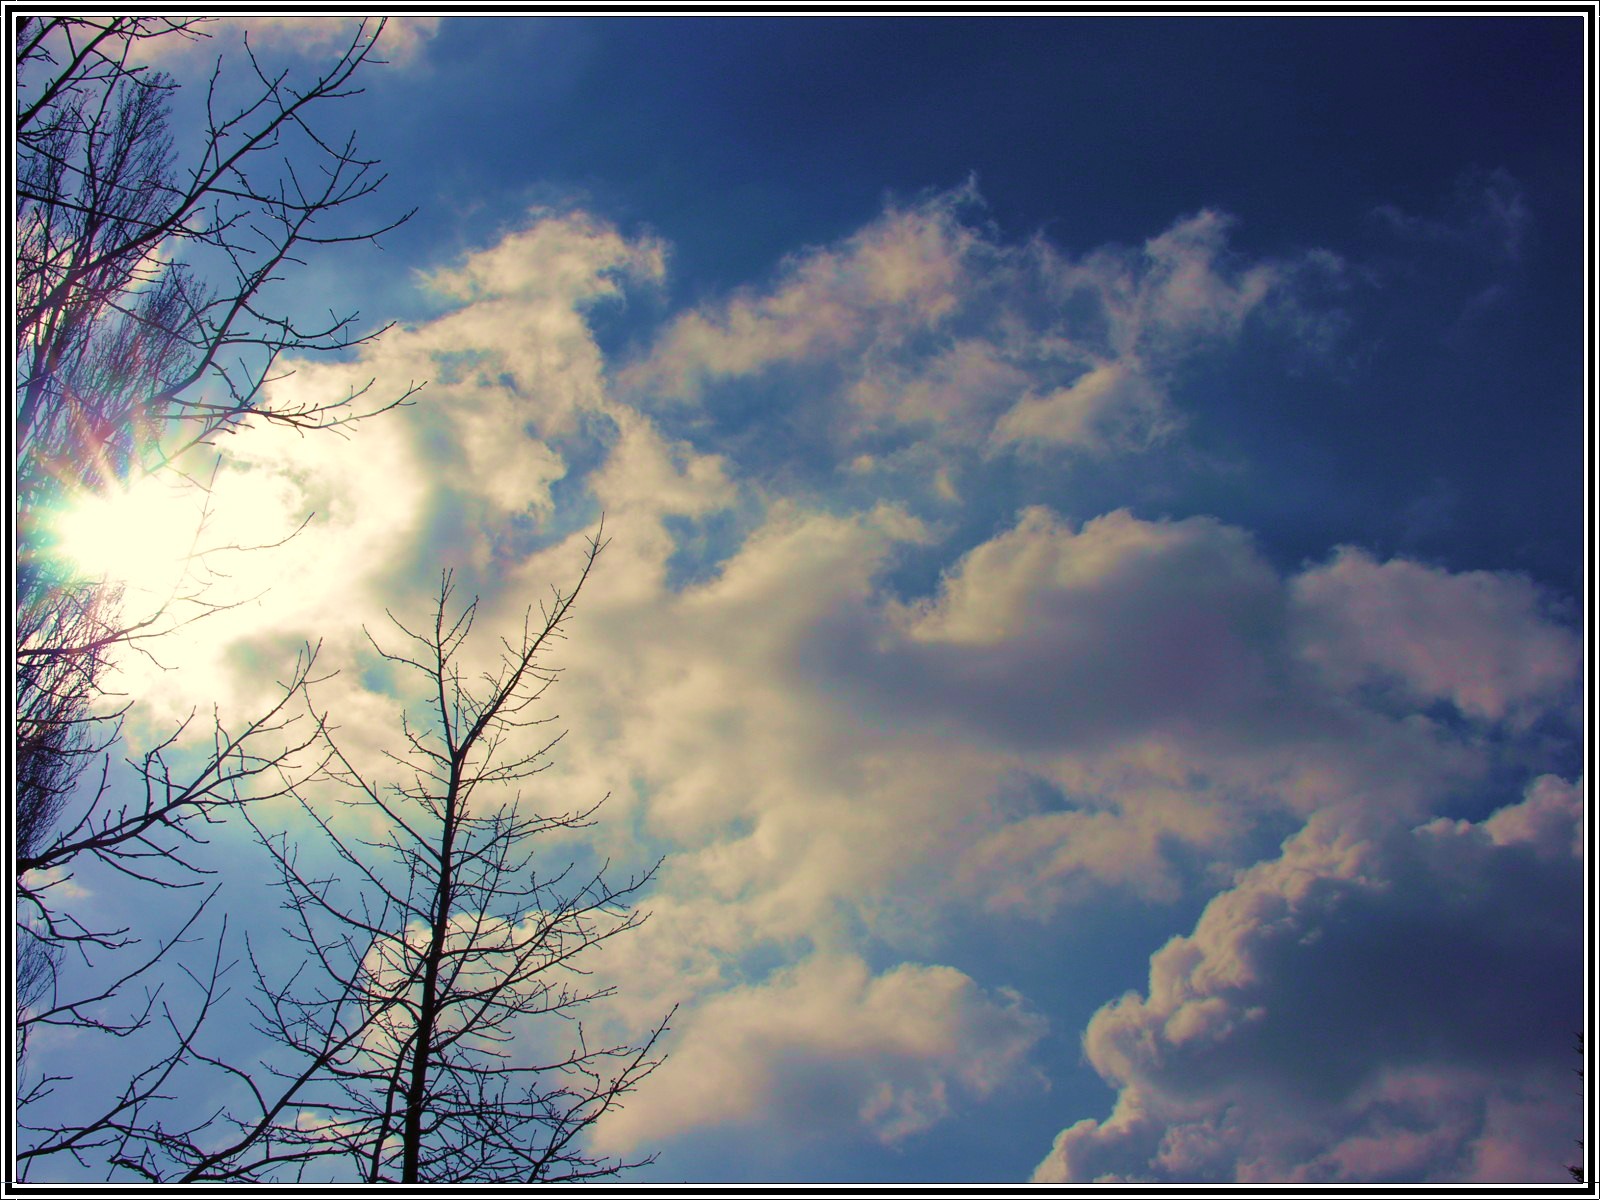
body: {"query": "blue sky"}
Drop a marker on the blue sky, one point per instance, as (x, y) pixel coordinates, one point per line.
(1092, 619)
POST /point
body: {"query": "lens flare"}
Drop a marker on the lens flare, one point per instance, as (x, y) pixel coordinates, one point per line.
(140, 537)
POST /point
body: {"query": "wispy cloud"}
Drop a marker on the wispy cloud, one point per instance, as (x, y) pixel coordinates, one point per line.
(1487, 213)
(405, 39)
(899, 276)
(926, 324)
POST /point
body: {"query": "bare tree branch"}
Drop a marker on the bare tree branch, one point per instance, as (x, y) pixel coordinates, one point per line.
(425, 964)
(147, 325)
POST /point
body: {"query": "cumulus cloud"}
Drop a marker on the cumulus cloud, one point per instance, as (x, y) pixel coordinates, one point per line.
(827, 756)
(1155, 674)
(1482, 641)
(1329, 1017)
(807, 740)
(1051, 639)
(821, 757)
(457, 479)
(514, 367)
(789, 785)
(1113, 395)
(826, 1047)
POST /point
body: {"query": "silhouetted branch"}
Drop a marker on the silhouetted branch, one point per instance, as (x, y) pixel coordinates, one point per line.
(433, 947)
(145, 327)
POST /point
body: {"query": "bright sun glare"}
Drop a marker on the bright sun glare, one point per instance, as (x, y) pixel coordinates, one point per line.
(140, 536)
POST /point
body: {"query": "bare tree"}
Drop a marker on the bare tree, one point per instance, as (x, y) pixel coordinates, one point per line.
(140, 280)
(144, 834)
(144, 316)
(419, 1040)
(147, 326)
(56, 734)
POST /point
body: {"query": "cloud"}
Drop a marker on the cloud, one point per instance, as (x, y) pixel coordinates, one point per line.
(954, 389)
(832, 758)
(1050, 638)
(1329, 1018)
(823, 761)
(1487, 212)
(926, 324)
(1546, 821)
(894, 278)
(1483, 641)
(459, 478)
(1181, 288)
(1138, 316)
(827, 1048)
(805, 739)
(1069, 634)
(514, 368)
(402, 42)
(1123, 834)
(1119, 704)
(572, 257)
(1111, 396)
(1156, 675)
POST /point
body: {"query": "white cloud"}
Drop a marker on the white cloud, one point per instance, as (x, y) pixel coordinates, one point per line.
(955, 388)
(922, 323)
(402, 42)
(825, 1047)
(816, 753)
(1145, 313)
(571, 258)
(820, 758)
(443, 482)
(823, 760)
(1327, 1020)
(810, 746)
(898, 276)
(1052, 638)
(1481, 640)
(1548, 821)
(1112, 401)
(1118, 836)
(1186, 292)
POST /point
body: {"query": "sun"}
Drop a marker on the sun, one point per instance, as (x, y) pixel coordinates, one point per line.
(140, 537)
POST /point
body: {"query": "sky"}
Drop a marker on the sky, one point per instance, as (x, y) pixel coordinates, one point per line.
(1092, 614)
